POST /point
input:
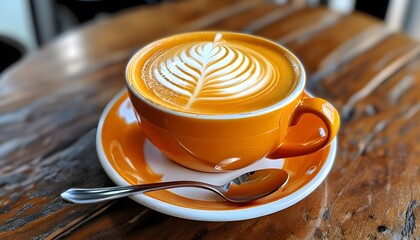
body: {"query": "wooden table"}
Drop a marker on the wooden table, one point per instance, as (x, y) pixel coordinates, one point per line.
(51, 101)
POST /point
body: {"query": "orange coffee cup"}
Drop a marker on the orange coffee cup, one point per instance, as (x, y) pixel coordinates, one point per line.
(215, 142)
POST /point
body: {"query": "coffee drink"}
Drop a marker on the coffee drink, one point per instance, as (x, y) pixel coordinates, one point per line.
(219, 101)
(214, 73)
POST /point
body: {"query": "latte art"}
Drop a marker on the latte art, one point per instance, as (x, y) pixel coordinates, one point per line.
(211, 71)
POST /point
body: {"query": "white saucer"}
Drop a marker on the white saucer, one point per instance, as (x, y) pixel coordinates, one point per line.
(129, 158)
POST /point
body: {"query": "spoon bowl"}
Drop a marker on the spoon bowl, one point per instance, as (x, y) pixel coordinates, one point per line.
(245, 188)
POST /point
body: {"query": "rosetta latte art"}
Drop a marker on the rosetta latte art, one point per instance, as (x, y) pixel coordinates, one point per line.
(216, 71)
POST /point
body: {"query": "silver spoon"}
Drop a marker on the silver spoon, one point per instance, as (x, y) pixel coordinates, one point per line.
(245, 188)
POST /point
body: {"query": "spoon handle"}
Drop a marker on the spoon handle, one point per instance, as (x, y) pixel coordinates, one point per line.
(95, 195)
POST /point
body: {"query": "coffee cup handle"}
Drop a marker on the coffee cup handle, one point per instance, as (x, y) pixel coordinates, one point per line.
(320, 108)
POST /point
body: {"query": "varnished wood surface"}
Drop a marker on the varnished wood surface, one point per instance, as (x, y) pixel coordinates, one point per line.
(50, 103)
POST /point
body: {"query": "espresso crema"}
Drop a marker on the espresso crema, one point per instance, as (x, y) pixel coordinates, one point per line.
(221, 75)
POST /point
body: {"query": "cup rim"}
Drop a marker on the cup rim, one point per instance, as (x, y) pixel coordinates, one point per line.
(284, 102)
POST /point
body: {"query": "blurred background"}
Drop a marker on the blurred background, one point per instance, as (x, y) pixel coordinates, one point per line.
(26, 25)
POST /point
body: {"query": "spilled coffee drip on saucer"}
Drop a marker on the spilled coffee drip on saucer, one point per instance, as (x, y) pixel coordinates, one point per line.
(220, 76)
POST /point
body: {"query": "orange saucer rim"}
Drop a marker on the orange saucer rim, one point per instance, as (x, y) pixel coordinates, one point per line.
(233, 214)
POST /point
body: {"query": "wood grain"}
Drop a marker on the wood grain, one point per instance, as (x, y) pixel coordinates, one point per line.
(51, 101)
(377, 170)
(299, 25)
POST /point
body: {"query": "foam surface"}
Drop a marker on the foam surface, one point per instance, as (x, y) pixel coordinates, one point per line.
(218, 76)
